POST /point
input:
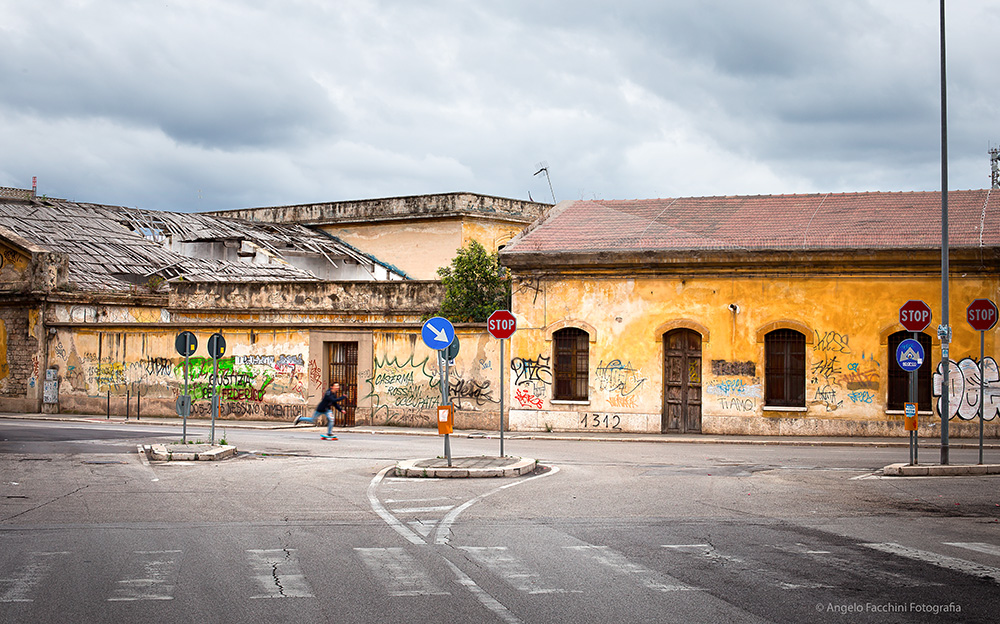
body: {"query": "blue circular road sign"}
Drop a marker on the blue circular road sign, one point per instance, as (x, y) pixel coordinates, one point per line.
(909, 355)
(438, 333)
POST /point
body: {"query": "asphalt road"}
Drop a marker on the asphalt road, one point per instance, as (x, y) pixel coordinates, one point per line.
(297, 529)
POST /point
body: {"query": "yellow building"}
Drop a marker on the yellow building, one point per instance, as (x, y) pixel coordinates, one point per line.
(771, 315)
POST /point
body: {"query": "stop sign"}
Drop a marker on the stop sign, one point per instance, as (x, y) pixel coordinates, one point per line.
(501, 324)
(982, 314)
(915, 315)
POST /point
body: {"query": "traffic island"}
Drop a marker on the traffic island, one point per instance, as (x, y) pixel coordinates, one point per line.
(466, 467)
(935, 470)
(187, 452)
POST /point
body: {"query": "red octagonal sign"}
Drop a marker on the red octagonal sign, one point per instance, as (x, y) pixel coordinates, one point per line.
(915, 315)
(501, 324)
(982, 314)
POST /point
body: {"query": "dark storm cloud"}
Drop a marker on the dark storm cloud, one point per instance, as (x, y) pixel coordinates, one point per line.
(203, 105)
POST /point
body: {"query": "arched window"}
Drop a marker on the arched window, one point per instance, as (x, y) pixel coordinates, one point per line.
(899, 379)
(572, 364)
(785, 368)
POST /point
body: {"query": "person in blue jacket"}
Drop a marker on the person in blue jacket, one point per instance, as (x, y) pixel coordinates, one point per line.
(331, 400)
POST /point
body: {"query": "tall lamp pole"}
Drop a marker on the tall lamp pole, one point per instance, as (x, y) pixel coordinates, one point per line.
(944, 330)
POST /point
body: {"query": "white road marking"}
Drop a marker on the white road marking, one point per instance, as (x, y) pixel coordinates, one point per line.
(399, 572)
(736, 564)
(277, 570)
(423, 509)
(444, 527)
(942, 561)
(422, 527)
(982, 547)
(383, 513)
(483, 596)
(155, 578)
(650, 579)
(19, 587)
(515, 572)
(850, 566)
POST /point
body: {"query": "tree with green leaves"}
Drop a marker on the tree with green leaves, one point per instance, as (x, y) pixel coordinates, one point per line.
(475, 285)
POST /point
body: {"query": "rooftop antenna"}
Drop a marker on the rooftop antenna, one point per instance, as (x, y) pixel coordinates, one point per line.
(995, 167)
(543, 167)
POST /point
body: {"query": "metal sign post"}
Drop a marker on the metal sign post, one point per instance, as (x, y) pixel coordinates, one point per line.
(910, 356)
(982, 315)
(216, 348)
(185, 344)
(501, 325)
(439, 334)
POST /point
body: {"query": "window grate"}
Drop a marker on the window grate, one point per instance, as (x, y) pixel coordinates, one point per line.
(572, 347)
(785, 368)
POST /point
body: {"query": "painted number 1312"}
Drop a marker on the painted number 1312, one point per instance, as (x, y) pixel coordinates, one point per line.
(597, 422)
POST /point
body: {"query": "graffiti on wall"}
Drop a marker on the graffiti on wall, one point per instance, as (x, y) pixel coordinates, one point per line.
(401, 390)
(533, 374)
(735, 393)
(838, 375)
(619, 380)
(526, 399)
(963, 388)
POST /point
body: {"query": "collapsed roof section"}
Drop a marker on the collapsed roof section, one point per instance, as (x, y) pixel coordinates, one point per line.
(117, 249)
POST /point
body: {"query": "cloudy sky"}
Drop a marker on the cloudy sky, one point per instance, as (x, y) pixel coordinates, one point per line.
(214, 104)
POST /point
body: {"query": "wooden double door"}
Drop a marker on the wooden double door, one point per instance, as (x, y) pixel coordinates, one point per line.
(681, 382)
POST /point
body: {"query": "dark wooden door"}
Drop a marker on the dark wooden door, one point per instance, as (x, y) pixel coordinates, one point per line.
(344, 370)
(682, 382)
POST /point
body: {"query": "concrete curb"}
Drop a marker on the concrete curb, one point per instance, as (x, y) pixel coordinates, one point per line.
(906, 470)
(460, 469)
(191, 452)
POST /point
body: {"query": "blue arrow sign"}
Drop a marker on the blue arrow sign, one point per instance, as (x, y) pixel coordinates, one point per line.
(438, 333)
(909, 355)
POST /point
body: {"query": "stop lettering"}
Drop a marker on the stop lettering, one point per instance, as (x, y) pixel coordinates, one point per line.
(915, 315)
(501, 324)
(982, 314)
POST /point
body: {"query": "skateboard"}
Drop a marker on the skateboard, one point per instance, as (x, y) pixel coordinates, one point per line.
(326, 437)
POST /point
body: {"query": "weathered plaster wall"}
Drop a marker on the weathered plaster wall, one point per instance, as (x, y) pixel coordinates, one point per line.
(404, 383)
(846, 322)
(417, 247)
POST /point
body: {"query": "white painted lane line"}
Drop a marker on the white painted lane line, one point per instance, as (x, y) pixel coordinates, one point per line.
(278, 572)
(423, 527)
(851, 567)
(422, 509)
(393, 501)
(737, 565)
(942, 561)
(982, 547)
(650, 579)
(512, 570)
(154, 578)
(19, 587)
(444, 527)
(399, 572)
(383, 513)
(483, 596)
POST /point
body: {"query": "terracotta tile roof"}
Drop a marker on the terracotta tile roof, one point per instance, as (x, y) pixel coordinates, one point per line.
(834, 221)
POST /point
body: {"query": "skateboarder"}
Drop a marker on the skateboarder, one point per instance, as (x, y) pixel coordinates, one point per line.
(331, 400)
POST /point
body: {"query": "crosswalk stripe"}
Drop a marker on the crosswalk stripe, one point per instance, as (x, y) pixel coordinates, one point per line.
(512, 570)
(19, 587)
(737, 564)
(399, 572)
(157, 575)
(982, 547)
(650, 579)
(408, 510)
(942, 561)
(851, 566)
(277, 570)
